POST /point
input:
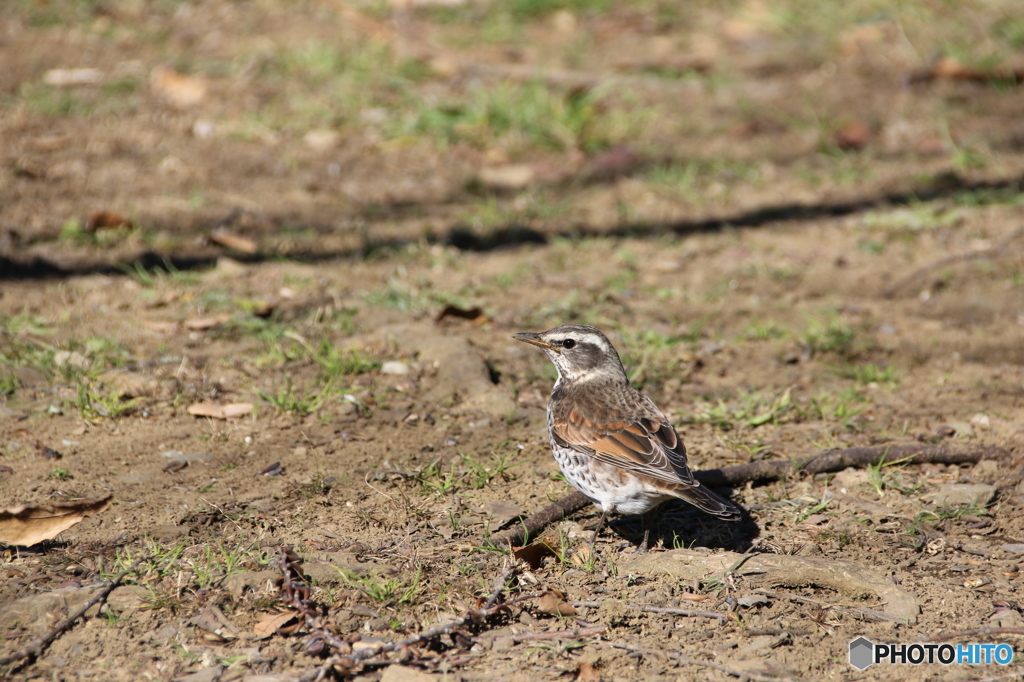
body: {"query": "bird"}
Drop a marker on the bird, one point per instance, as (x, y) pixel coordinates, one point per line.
(611, 442)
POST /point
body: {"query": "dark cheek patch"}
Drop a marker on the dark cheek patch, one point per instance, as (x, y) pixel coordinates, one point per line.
(590, 355)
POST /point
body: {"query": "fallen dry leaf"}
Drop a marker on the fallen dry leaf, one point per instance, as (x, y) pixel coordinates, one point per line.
(533, 554)
(510, 177)
(177, 89)
(25, 525)
(207, 410)
(582, 555)
(106, 220)
(158, 326)
(200, 323)
(236, 409)
(62, 78)
(694, 597)
(269, 623)
(586, 673)
(553, 602)
(234, 241)
(215, 411)
(852, 136)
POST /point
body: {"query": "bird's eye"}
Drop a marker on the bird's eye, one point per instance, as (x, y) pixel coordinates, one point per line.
(568, 343)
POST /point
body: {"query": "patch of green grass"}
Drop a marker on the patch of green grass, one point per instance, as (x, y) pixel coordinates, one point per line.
(750, 410)
(832, 335)
(93, 403)
(844, 407)
(53, 102)
(515, 117)
(337, 362)
(149, 278)
(760, 330)
(468, 473)
(384, 588)
(700, 180)
(8, 384)
(913, 218)
(59, 474)
(869, 373)
(807, 512)
(871, 246)
(989, 196)
(299, 403)
(881, 475)
(650, 356)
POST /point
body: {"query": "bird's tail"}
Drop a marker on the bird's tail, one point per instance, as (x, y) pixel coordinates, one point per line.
(707, 501)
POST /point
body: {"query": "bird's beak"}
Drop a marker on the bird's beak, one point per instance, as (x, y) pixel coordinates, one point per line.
(533, 339)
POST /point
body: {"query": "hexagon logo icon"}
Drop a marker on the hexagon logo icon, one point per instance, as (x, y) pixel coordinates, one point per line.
(862, 653)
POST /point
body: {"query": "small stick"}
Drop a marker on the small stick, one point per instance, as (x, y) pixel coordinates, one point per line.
(770, 470)
(36, 648)
(589, 631)
(351, 660)
(867, 613)
(686, 660)
(647, 608)
(975, 632)
(997, 250)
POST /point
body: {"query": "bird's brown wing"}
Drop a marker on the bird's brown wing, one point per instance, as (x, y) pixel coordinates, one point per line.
(643, 444)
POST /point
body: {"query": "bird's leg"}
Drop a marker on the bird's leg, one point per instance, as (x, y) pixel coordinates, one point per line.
(600, 525)
(648, 518)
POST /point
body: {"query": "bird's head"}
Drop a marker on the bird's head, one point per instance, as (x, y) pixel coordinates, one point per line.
(578, 351)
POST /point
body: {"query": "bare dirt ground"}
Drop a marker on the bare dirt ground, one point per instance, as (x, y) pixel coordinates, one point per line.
(800, 225)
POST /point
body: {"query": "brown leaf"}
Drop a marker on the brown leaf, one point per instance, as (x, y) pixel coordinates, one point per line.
(236, 409)
(62, 78)
(106, 220)
(533, 554)
(174, 466)
(586, 673)
(160, 326)
(234, 241)
(852, 136)
(506, 178)
(24, 525)
(200, 323)
(207, 410)
(553, 602)
(269, 623)
(177, 89)
(582, 555)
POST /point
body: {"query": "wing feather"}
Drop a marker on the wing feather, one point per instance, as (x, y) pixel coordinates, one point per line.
(646, 445)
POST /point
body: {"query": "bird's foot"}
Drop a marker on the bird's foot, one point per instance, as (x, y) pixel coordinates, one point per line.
(643, 547)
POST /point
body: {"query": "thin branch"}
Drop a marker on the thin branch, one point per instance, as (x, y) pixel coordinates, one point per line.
(574, 633)
(858, 457)
(647, 608)
(348, 659)
(770, 470)
(975, 632)
(866, 613)
(36, 648)
(993, 252)
(686, 660)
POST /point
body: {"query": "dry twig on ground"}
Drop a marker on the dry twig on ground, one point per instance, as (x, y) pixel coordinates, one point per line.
(994, 252)
(686, 660)
(297, 594)
(770, 470)
(36, 648)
